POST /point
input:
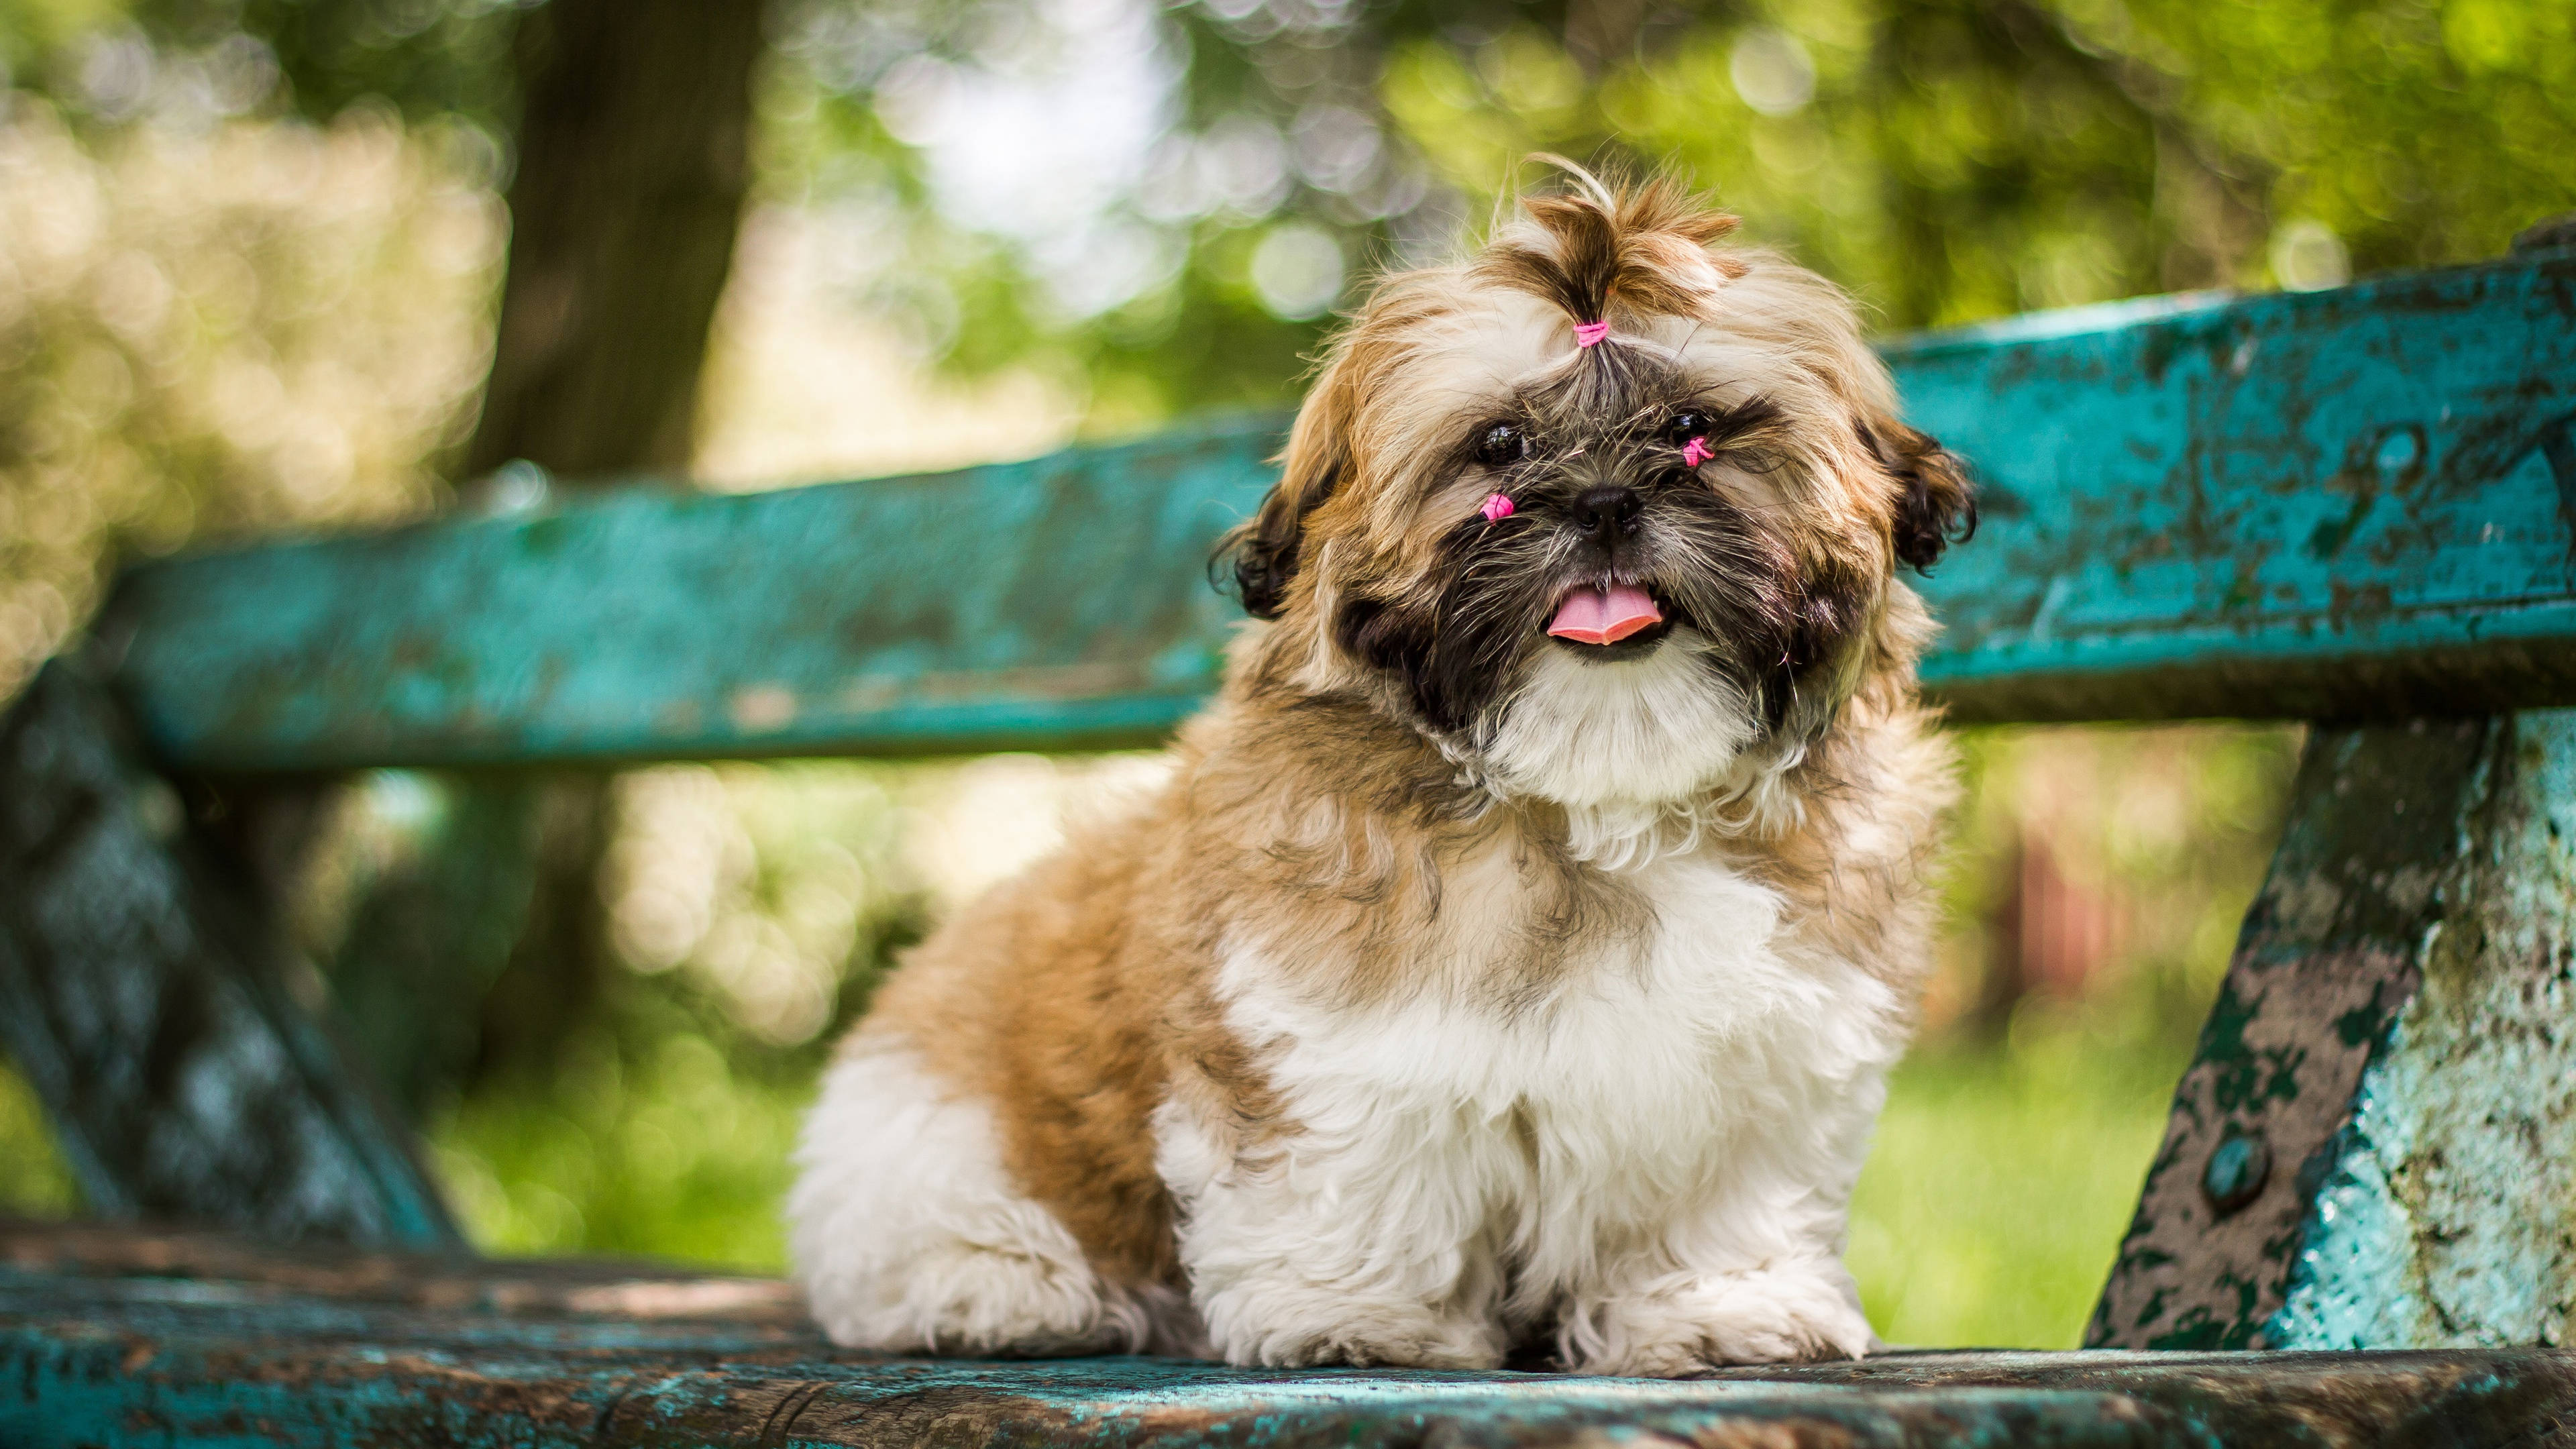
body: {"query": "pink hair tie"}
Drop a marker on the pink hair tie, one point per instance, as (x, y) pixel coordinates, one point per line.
(1696, 452)
(1587, 334)
(1497, 508)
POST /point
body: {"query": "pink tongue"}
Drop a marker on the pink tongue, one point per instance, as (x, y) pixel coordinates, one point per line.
(1604, 616)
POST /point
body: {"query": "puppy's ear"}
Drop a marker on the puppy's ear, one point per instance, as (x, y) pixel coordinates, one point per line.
(1265, 549)
(1936, 500)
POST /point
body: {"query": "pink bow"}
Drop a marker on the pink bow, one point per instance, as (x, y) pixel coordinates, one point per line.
(1587, 334)
(1497, 508)
(1696, 452)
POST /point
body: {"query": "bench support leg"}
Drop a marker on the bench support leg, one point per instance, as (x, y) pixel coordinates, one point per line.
(2376, 1144)
(141, 995)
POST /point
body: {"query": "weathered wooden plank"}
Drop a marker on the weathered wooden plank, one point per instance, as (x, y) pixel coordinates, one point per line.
(2449, 1213)
(2351, 503)
(1057, 603)
(160, 1360)
(634, 1289)
(140, 994)
(2376, 1146)
(2338, 505)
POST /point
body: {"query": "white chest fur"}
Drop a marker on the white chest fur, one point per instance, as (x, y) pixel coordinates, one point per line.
(1685, 1099)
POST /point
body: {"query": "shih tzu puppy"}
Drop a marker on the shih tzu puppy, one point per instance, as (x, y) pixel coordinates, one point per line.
(1517, 952)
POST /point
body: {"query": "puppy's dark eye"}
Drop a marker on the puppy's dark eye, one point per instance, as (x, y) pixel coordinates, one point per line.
(1501, 443)
(1686, 425)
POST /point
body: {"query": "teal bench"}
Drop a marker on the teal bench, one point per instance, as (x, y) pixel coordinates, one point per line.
(2354, 507)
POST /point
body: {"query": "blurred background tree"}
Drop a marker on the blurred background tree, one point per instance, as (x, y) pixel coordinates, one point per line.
(272, 264)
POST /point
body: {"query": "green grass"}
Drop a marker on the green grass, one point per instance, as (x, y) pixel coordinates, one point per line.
(2002, 1180)
(675, 1155)
(34, 1182)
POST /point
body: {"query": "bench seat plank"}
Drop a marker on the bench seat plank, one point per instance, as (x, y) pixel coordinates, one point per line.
(93, 1354)
(2337, 504)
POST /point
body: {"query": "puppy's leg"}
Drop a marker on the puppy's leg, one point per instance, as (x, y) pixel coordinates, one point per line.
(1780, 1310)
(1336, 1248)
(909, 1235)
(1749, 1274)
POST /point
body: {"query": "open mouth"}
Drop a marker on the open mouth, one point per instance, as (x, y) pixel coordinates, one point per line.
(1616, 619)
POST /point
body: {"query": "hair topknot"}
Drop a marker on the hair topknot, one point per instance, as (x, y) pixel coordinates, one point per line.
(1644, 247)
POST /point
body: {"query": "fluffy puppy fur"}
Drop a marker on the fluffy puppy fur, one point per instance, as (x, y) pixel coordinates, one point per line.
(1466, 988)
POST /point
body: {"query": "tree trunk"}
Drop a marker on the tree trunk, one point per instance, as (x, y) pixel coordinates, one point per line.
(634, 155)
(633, 161)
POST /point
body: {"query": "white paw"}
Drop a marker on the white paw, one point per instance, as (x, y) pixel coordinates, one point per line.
(1302, 1327)
(1684, 1326)
(962, 1298)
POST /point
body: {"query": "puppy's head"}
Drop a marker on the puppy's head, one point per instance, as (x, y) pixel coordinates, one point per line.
(1611, 573)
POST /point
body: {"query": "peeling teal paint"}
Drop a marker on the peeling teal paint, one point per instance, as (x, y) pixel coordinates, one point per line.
(110, 1363)
(2332, 950)
(1061, 602)
(2282, 505)
(2448, 1214)
(2412, 957)
(141, 996)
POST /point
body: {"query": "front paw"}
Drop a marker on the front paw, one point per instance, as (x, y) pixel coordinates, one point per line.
(1759, 1316)
(1301, 1326)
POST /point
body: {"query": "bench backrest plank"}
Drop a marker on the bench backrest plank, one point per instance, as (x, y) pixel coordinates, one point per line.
(2339, 504)
(2344, 504)
(1057, 603)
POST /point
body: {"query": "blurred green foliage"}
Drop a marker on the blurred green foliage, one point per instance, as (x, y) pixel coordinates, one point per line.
(2109, 864)
(2003, 1176)
(1949, 160)
(639, 1143)
(428, 60)
(35, 1182)
(217, 331)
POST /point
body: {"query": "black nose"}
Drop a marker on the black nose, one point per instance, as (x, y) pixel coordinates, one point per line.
(1607, 512)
